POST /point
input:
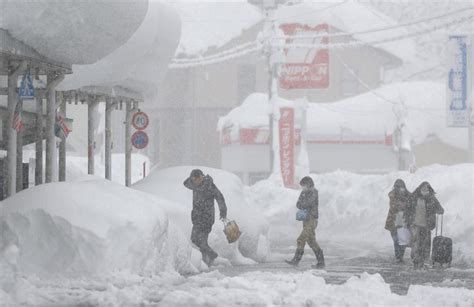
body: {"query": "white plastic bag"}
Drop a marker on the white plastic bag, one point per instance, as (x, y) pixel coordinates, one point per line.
(404, 236)
(400, 220)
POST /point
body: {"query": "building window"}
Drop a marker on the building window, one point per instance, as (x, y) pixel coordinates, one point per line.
(349, 83)
(246, 81)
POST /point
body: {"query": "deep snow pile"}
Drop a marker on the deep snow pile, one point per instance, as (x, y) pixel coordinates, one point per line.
(250, 289)
(307, 289)
(87, 228)
(353, 208)
(168, 184)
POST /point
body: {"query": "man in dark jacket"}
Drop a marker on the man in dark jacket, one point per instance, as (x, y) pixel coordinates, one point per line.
(202, 215)
(308, 200)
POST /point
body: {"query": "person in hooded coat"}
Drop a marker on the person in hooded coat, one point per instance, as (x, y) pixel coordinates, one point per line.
(203, 213)
(308, 200)
(396, 217)
(421, 218)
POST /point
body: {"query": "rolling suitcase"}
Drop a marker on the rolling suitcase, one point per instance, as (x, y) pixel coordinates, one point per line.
(442, 251)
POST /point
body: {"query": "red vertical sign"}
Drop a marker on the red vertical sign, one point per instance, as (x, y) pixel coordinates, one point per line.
(287, 145)
(305, 67)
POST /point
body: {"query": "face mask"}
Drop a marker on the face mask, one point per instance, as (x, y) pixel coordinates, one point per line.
(424, 192)
(401, 189)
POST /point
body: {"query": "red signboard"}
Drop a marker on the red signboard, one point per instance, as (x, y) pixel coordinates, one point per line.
(287, 145)
(305, 68)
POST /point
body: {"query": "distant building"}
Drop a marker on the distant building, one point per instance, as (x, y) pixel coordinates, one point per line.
(192, 100)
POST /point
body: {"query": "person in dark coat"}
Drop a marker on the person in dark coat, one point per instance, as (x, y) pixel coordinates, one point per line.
(396, 217)
(308, 200)
(421, 218)
(203, 213)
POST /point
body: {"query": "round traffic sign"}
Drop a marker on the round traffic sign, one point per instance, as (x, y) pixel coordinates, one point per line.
(139, 140)
(140, 120)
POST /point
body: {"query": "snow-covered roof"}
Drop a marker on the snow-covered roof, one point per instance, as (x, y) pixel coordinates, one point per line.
(365, 114)
(213, 24)
(208, 24)
(69, 31)
(140, 63)
(349, 17)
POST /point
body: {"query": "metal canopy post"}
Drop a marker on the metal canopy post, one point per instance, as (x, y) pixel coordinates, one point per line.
(91, 109)
(53, 80)
(19, 160)
(39, 140)
(128, 144)
(109, 106)
(12, 137)
(62, 145)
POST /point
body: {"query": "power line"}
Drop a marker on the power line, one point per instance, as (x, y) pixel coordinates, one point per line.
(380, 41)
(212, 56)
(239, 50)
(372, 91)
(214, 59)
(378, 29)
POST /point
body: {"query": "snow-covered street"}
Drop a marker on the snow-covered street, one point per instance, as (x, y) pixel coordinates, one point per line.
(354, 282)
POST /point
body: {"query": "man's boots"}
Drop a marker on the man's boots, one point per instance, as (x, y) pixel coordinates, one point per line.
(296, 259)
(320, 258)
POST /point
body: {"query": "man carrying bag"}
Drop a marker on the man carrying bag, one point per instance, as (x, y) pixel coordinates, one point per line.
(202, 215)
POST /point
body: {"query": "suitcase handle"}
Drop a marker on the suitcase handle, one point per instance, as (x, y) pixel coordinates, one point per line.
(441, 224)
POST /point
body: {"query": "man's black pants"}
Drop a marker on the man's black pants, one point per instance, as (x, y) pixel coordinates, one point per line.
(199, 236)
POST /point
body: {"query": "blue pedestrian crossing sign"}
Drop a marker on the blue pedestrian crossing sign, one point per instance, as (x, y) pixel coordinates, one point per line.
(27, 90)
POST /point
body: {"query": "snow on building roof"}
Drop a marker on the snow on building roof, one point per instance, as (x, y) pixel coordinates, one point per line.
(213, 24)
(365, 114)
(139, 64)
(208, 24)
(69, 31)
(349, 17)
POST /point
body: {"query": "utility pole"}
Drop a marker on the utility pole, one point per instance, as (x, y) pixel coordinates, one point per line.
(269, 30)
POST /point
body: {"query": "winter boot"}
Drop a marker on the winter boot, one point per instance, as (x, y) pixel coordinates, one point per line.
(296, 259)
(320, 258)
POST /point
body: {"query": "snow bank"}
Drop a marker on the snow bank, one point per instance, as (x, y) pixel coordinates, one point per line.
(306, 289)
(353, 208)
(425, 103)
(250, 289)
(168, 184)
(91, 227)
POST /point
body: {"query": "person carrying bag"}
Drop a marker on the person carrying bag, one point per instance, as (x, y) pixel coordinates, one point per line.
(307, 205)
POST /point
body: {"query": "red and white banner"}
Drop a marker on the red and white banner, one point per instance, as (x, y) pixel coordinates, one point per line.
(305, 68)
(287, 145)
